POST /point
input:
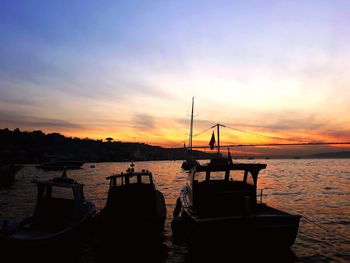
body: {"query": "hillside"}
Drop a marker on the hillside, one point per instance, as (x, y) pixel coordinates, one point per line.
(34, 147)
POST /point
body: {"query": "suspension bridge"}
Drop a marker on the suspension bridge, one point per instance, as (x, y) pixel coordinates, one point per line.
(287, 141)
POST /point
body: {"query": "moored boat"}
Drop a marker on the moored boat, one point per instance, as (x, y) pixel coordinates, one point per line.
(134, 207)
(61, 214)
(8, 173)
(219, 202)
(60, 165)
(189, 164)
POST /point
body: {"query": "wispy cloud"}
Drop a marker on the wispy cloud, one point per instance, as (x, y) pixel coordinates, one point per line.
(143, 122)
(31, 122)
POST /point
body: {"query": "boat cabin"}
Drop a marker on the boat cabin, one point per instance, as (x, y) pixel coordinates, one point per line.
(131, 193)
(130, 178)
(60, 202)
(223, 189)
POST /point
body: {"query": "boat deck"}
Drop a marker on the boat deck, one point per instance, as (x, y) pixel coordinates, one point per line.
(262, 211)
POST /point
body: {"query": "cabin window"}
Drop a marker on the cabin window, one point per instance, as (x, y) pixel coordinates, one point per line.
(133, 179)
(146, 180)
(200, 176)
(250, 179)
(217, 175)
(236, 175)
(62, 193)
(119, 180)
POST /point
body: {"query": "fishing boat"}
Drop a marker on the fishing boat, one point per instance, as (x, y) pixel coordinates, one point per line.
(8, 173)
(60, 165)
(190, 162)
(134, 206)
(219, 202)
(61, 214)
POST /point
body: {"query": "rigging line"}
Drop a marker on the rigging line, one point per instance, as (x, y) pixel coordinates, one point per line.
(267, 136)
(278, 144)
(332, 232)
(202, 132)
(327, 230)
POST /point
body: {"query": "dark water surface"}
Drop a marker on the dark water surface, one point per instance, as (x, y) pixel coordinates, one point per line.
(319, 190)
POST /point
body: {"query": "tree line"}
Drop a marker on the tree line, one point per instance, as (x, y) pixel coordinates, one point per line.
(35, 146)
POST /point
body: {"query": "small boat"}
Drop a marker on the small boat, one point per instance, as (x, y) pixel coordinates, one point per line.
(60, 214)
(8, 173)
(219, 202)
(189, 164)
(60, 165)
(134, 207)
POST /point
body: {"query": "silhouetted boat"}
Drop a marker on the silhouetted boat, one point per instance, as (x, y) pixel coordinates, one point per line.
(219, 203)
(190, 162)
(134, 207)
(8, 173)
(60, 214)
(60, 165)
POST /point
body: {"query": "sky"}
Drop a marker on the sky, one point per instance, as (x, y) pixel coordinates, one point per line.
(128, 69)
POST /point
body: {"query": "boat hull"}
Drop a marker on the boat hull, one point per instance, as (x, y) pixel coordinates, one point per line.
(8, 173)
(275, 229)
(30, 237)
(115, 222)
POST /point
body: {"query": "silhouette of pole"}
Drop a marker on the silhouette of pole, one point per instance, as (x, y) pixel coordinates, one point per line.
(218, 127)
(218, 131)
(191, 127)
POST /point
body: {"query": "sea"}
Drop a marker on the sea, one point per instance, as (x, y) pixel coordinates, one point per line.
(317, 189)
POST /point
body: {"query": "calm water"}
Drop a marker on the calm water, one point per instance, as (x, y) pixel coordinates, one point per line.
(317, 189)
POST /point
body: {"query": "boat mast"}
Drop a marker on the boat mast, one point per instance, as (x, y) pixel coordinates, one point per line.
(191, 126)
(218, 127)
(218, 131)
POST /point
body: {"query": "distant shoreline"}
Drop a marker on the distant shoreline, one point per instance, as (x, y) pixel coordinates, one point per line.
(234, 159)
(36, 147)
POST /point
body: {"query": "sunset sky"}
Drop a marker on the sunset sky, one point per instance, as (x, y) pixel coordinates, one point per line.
(128, 69)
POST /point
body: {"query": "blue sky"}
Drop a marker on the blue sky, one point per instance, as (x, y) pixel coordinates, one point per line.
(128, 69)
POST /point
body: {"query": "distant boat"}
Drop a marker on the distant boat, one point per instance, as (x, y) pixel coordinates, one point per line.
(134, 209)
(190, 162)
(60, 165)
(219, 204)
(8, 173)
(61, 212)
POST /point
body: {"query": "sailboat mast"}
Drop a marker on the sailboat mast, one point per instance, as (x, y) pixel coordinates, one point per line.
(218, 128)
(191, 126)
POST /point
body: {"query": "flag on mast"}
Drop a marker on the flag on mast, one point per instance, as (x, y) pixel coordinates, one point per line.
(212, 141)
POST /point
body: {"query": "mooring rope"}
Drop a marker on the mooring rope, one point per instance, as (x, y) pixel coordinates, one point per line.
(334, 233)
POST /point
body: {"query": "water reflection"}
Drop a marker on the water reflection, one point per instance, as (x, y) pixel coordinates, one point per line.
(239, 254)
(317, 189)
